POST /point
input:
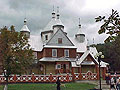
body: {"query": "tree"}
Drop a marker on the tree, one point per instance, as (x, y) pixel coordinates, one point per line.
(15, 52)
(111, 26)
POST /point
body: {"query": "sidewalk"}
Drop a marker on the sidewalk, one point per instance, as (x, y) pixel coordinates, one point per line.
(103, 84)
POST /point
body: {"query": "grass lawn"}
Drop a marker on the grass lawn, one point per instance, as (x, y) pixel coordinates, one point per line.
(68, 86)
(1, 87)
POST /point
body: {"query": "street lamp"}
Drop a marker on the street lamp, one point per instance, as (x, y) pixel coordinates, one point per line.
(6, 77)
(5, 74)
(99, 56)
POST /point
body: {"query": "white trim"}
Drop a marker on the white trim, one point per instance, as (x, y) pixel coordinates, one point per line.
(53, 59)
(52, 46)
(66, 50)
(53, 52)
(58, 65)
(82, 58)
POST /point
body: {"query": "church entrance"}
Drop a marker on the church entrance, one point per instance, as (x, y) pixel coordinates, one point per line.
(64, 68)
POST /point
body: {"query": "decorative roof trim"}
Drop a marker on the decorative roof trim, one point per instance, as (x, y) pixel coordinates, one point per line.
(64, 34)
(51, 59)
(82, 58)
(51, 46)
(43, 32)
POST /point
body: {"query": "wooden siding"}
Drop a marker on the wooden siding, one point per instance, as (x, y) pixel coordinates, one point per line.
(39, 55)
(65, 40)
(47, 52)
(50, 67)
(86, 68)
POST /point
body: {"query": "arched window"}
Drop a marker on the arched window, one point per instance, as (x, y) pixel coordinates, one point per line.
(66, 53)
(54, 52)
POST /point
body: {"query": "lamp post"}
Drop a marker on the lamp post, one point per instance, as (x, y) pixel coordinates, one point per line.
(6, 77)
(99, 56)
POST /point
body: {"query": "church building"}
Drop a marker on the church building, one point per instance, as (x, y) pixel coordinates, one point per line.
(57, 53)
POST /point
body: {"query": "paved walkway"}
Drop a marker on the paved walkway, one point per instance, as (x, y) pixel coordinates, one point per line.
(103, 84)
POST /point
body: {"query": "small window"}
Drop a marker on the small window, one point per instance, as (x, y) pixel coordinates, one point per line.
(66, 53)
(46, 37)
(58, 66)
(59, 40)
(35, 55)
(54, 52)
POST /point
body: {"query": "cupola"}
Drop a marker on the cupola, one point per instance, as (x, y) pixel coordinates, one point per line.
(25, 29)
(58, 25)
(80, 36)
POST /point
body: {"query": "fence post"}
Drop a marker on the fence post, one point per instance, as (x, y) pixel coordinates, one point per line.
(67, 77)
(51, 77)
(14, 78)
(97, 71)
(80, 74)
(104, 73)
(33, 78)
(73, 75)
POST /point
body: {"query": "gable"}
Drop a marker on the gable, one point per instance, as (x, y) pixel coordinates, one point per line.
(60, 39)
(89, 57)
(89, 60)
(85, 57)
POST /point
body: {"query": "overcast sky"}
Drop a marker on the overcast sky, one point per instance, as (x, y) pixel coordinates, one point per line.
(38, 14)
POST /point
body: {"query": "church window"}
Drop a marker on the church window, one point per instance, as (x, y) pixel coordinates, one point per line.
(54, 52)
(66, 53)
(46, 37)
(59, 40)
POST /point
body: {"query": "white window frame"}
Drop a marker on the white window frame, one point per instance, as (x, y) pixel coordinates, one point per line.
(46, 36)
(66, 50)
(53, 52)
(59, 66)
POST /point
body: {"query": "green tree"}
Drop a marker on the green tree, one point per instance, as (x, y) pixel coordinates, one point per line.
(111, 26)
(15, 52)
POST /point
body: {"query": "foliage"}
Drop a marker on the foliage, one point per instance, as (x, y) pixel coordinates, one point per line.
(111, 53)
(111, 25)
(15, 52)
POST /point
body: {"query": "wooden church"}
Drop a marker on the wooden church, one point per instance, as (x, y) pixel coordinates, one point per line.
(57, 53)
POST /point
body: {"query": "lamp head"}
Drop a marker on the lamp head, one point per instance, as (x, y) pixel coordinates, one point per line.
(5, 71)
(100, 53)
(102, 56)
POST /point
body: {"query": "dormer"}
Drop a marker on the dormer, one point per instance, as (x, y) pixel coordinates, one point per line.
(46, 36)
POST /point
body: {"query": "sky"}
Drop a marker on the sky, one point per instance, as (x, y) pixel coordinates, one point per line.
(38, 14)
